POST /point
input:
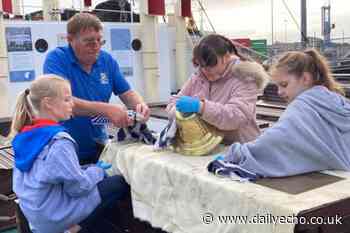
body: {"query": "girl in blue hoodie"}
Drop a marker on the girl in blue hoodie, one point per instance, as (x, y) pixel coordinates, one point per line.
(312, 134)
(54, 192)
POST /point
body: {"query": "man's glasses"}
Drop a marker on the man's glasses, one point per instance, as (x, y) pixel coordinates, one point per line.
(92, 42)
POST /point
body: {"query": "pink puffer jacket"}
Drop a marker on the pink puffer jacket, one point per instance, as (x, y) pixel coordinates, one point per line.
(229, 102)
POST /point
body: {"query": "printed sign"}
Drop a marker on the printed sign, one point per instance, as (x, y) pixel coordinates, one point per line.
(20, 54)
(121, 49)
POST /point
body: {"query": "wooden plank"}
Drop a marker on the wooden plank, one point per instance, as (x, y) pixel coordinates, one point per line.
(159, 112)
(299, 183)
(267, 111)
(271, 104)
(6, 158)
(339, 208)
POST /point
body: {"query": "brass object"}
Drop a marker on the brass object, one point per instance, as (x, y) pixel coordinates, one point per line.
(194, 136)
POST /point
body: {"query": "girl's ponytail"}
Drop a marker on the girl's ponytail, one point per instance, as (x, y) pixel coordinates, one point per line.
(24, 113)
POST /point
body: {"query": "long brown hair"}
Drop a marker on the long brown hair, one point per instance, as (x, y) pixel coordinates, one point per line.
(311, 61)
(29, 100)
(212, 46)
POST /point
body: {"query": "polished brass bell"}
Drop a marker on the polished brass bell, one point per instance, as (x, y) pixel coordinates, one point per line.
(194, 136)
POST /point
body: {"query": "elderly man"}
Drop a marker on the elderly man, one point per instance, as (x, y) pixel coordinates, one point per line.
(94, 75)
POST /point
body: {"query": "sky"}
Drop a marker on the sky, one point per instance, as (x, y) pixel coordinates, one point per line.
(253, 18)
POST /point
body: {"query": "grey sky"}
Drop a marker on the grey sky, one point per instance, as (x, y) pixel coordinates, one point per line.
(252, 18)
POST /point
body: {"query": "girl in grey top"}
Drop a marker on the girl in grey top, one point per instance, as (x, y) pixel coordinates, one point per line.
(313, 134)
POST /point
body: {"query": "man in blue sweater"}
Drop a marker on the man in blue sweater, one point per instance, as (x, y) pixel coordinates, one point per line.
(94, 75)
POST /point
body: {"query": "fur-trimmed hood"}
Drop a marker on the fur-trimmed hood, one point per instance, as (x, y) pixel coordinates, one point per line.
(251, 71)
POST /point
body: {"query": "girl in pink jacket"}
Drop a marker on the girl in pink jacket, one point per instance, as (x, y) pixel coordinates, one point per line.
(223, 90)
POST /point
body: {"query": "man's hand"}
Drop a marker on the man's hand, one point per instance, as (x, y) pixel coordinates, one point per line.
(143, 109)
(134, 101)
(118, 115)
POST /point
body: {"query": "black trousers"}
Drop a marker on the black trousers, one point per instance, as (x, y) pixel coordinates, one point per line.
(93, 158)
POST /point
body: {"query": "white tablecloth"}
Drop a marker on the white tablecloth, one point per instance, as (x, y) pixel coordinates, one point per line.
(176, 192)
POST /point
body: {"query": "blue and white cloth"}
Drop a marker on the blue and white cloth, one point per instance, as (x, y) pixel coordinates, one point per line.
(137, 132)
(166, 136)
(231, 170)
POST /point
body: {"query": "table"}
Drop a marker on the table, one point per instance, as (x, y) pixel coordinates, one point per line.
(177, 194)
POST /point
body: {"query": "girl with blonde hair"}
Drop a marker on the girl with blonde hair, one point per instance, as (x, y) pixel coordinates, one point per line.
(54, 192)
(313, 133)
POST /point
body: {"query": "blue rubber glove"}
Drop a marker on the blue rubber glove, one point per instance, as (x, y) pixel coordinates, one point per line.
(219, 157)
(188, 104)
(104, 166)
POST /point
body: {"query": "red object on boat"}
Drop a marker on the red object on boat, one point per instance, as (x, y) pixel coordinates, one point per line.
(156, 7)
(7, 6)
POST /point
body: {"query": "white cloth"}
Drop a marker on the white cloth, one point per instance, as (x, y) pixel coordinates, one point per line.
(174, 192)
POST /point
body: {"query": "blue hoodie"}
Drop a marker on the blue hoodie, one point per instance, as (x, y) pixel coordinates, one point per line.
(313, 134)
(27, 145)
(53, 191)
